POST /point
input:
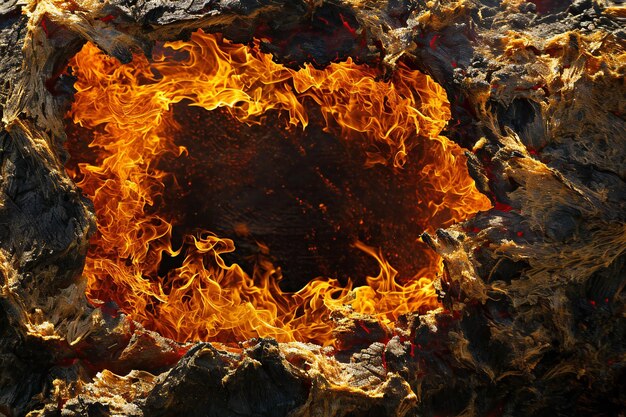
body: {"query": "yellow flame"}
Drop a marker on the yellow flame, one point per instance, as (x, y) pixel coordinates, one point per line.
(128, 107)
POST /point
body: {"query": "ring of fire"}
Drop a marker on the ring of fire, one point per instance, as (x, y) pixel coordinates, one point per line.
(129, 109)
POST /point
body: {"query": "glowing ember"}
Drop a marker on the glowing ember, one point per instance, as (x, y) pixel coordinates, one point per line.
(129, 109)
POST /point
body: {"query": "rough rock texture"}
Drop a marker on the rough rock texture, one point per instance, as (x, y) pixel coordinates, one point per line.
(533, 320)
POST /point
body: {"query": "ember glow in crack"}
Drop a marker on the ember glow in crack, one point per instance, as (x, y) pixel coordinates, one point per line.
(129, 109)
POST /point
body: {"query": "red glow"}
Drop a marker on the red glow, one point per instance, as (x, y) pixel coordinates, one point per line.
(325, 21)
(347, 25)
(364, 327)
(433, 42)
(44, 26)
(107, 18)
(502, 207)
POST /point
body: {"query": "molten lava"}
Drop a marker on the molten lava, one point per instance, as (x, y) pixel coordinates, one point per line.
(129, 109)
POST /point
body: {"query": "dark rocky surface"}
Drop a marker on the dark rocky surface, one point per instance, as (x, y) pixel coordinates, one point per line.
(534, 319)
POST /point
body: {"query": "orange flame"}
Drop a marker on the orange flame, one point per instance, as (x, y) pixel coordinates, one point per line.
(128, 107)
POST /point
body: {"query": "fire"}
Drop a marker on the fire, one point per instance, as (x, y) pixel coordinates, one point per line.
(128, 107)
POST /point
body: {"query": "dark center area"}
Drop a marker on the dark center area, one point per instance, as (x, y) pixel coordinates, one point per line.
(306, 195)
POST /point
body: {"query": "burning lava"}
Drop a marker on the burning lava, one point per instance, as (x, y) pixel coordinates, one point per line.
(129, 109)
